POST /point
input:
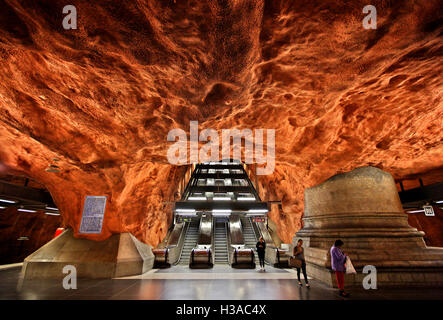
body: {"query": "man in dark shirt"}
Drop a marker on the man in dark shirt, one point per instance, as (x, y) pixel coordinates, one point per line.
(261, 247)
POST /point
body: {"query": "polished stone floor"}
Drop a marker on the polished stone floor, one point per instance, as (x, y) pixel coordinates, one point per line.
(182, 283)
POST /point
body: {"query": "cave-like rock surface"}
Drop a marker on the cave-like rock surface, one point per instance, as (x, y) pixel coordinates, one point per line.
(101, 99)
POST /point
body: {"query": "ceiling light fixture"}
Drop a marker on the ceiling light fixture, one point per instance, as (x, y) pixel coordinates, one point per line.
(8, 201)
(185, 210)
(52, 214)
(197, 198)
(221, 212)
(26, 210)
(258, 210)
(255, 214)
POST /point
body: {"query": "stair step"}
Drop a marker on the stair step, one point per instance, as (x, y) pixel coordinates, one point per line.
(191, 238)
(220, 244)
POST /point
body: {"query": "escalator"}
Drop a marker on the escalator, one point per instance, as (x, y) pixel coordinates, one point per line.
(249, 235)
(218, 220)
(201, 256)
(221, 244)
(241, 256)
(191, 238)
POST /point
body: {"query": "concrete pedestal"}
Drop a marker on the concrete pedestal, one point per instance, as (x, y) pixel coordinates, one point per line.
(363, 209)
(120, 255)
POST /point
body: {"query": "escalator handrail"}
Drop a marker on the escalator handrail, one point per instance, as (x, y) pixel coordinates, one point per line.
(182, 240)
(227, 242)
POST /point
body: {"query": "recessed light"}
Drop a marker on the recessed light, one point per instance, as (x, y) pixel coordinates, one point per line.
(258, 210)
(52, 214)
(52, 208)
(197, 198)
(221, 210)
(8, 201)
(415, 211)
(26, 210)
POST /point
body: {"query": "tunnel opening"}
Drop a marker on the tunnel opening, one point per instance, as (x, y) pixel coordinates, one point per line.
(218, 220)
(422, 201)
(29, 217)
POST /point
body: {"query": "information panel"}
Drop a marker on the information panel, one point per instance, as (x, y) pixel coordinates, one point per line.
(429, 211)
(93, 213)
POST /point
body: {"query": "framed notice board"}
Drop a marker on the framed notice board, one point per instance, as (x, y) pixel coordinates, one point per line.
(93, 214)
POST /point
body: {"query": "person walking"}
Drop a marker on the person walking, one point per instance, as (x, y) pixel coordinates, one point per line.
(299, 253)
(261, 247)
(338, 260)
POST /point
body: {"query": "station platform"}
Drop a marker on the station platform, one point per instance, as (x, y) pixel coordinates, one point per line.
(218, 283)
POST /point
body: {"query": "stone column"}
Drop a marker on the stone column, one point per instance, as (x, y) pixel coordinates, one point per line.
(363, 209)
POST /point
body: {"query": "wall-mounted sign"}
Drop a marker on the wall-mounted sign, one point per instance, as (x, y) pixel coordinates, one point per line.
(429, 211)
(93, 213)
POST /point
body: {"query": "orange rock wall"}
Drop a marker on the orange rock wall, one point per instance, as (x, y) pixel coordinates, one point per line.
(103, 98)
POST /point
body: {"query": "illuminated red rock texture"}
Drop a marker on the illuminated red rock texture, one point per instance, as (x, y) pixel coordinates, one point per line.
(101, 99)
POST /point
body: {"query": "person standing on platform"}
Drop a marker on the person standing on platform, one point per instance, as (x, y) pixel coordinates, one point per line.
(299, 253)
(338, 260)
(261, 247)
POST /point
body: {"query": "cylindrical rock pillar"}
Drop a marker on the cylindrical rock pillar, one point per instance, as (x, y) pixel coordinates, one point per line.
(363, 209)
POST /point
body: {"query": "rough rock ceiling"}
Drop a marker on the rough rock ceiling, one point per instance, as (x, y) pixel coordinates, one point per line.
(101, 99)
